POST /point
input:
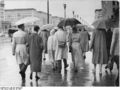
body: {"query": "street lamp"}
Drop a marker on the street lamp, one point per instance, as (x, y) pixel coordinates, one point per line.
(73, 14)
(65, 10)
(48, 11)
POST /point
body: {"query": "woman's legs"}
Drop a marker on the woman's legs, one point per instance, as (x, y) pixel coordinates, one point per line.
(37, 77)
(94, 68)
(100, 72)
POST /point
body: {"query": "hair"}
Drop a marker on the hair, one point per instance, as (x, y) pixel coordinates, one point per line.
(74, 29)
(36, 28)
(21, 26)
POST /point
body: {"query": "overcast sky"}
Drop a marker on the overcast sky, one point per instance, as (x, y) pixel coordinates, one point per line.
(84, 8)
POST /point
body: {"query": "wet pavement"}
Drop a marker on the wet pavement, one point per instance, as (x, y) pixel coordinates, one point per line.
(9, 75)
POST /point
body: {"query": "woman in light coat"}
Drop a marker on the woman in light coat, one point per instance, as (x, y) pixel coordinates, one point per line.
(77, 55)
(51, 46)
(19, 49)
(61, 52)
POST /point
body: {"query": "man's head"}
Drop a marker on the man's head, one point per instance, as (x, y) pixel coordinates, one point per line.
(21, 26)
(36, 28)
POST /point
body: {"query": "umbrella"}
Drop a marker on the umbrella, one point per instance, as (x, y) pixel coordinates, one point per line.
(69, 21)
(27, 20)
(101, 23)
(47, 27)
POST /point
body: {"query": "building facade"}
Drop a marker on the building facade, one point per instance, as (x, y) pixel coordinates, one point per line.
(1, 13)
(111, 12)
(13, 15)
(56, 20)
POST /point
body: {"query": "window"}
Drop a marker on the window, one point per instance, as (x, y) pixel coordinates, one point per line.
(114, 2)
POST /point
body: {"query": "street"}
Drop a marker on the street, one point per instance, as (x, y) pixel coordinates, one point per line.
(9, 69)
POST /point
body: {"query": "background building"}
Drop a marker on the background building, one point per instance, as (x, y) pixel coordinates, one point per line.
(111, 12)
(56, 20)
(13, 15)
(1, 13)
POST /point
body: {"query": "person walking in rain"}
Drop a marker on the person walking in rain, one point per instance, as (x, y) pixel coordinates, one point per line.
(98, 44)
(51, 47)
(61, 48)
(84, 39)
(19, 49)
(35, 52)
(77, 55)
(44, 34)
(114, 52)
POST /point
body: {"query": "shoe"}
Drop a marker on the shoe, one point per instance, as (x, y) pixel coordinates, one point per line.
(37, 77)
(66, 66)
(106, 67)
(22, 75)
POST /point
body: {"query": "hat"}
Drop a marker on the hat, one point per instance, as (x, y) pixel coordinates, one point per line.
(80, 26)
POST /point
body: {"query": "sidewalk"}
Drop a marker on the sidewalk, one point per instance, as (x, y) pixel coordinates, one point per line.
(9, 75)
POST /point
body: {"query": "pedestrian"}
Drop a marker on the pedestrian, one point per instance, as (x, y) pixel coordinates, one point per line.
(44, 34)
(108, 42)
(114, 51)
(35, 52)
(84, 39)
(51, 47)
(98, 44)
(77, 55)
(19, 49)
(61, 51)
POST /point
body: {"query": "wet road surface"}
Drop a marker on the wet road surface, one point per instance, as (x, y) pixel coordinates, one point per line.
(9, 75)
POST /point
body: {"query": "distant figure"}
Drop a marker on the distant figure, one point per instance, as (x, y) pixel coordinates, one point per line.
(19, 48)
(61, 49)
(35, 51)
(44, 34)
(77, 55)
(98, 44)
(51, 46)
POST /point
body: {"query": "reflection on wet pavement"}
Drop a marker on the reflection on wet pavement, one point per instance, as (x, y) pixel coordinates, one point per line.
(9, 75)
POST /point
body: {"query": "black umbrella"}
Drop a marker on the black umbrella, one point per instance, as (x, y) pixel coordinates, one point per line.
(69, 21)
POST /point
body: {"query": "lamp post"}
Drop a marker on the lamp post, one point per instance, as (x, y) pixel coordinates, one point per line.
(73, 14)
(65, 10)
(48, 11)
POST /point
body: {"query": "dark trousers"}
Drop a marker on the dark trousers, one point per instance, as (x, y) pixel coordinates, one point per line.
(23, 68)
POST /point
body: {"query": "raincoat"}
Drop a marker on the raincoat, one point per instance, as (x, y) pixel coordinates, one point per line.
(98, 44)
(35, 51)
(19, 47)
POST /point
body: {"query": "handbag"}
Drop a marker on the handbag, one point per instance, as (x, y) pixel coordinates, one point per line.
(61, 44)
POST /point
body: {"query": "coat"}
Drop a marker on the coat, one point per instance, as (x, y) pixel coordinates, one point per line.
(35, 52)
(19, 47)
(61, 53)
(44, 34)
(84, 41)
(98, 44)
(77, 54)
(51, 46)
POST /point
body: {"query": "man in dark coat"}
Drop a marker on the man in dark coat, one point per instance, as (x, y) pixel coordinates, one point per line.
(35, 52)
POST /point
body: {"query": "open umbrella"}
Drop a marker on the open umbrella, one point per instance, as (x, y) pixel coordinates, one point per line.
(27, 20)
(68, 22)
(101, 23)
(47, 27)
